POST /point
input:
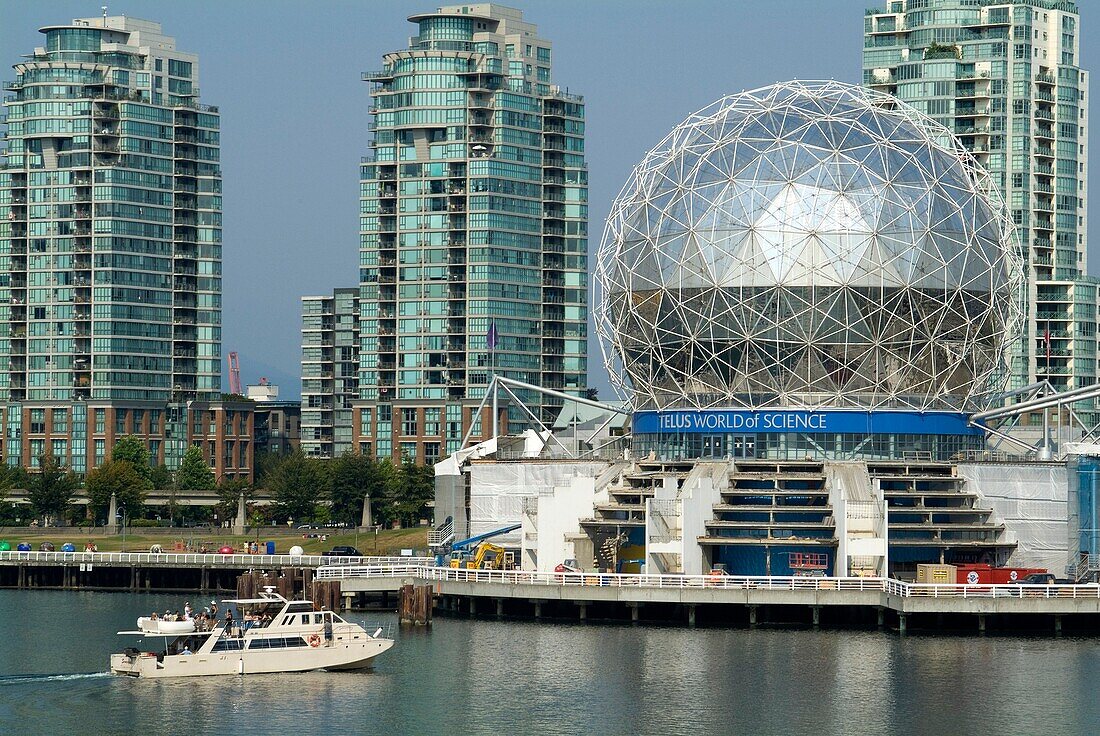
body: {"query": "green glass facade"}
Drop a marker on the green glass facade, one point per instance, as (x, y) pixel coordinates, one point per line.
(1006, 78)
(110, 231)
(474, 219)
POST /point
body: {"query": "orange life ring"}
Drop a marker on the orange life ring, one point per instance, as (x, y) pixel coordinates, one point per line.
(314, 640)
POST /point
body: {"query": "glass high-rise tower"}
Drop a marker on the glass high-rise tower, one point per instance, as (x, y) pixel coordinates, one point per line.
(474, 232)
(110, 251)
(1006, 78)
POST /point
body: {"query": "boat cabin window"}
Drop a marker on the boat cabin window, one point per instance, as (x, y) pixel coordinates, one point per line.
(299, 606)
(277, 642)
(227, 645)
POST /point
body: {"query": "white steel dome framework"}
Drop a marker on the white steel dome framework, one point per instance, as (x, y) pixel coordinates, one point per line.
(811, 245)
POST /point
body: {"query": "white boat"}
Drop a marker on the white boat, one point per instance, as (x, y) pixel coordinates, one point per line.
(271, 634)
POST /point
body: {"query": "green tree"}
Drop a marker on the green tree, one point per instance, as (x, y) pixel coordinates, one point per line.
(266, 463)
(194, 474)
(133, 450)
(297, 486)
(229, 491)
(414, 488)
(10, 478)
(354, 476)
(51, 489)
(161, 478)
(118, 477)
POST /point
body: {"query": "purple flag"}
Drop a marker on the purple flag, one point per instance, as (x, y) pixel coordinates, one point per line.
(491, 335)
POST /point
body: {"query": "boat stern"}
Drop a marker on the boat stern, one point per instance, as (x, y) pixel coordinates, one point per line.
(134, 664)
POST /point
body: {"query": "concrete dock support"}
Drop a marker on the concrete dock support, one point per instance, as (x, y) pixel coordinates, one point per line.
(1057, 624)
(582, 611)
(881, 618)
(500, 608)
(204, 579)
(901, 623)
(473, 606)
(691, 616)
(633, 612)
(752, 617)
(538, 609)
(815, 611)
(981, 624)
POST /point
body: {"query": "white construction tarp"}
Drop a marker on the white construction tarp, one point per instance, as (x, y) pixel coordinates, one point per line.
(497, 491)
(1032, 500)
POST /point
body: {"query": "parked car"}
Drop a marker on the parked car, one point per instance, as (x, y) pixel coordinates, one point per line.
(342, 551)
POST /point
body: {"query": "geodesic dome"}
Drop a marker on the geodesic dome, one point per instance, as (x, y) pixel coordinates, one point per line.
(808, 244)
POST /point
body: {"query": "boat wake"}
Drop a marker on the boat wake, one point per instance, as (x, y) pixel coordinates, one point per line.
(23, 679)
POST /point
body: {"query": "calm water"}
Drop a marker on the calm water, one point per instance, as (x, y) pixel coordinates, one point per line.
(472, 677)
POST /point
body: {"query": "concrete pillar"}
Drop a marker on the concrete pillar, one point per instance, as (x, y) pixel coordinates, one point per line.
(981, 623)
(148, 579)
(366, 512)
(881, 618)
(500, 607)
(240, 521)
(473, 605)
(691, 616)
(1057, 624)
(133, 578)
(204, 582)
(22, 583)
(816, 612)
(901, 623)
(634, 613)
(538, 609)
(112, 516)
(582, 611)
(752, 616)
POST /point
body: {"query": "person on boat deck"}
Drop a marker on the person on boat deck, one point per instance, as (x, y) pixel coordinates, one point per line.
(187, 611)
(186, 649)
(154, 616)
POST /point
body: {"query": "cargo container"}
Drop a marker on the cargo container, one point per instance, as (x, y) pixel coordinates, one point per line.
(943, 574)
(972, 574)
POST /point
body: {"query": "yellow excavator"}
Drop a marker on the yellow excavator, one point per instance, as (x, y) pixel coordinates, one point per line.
(487, 556)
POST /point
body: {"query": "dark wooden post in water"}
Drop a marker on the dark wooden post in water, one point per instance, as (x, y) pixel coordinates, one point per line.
(415, 605)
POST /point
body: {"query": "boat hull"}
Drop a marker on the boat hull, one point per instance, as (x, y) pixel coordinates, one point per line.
(338, 655)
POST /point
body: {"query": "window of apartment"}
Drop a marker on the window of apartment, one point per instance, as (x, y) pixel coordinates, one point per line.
(100, 451)
(408, 451)
(408, 422)
(60, 421)
(100, 421)
(139, 418)
(60, 449)
(38, 422)
(120, 421)
(431, 453)
(37, 448)
(432, 421)
(154, 420)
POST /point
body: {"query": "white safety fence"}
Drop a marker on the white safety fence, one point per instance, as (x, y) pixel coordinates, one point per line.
(722, 582)
(186, 559)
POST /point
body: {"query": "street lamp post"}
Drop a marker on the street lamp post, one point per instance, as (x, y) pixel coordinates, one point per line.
(121, 515)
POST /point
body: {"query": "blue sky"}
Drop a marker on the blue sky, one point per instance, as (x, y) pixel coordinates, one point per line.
(286, 76)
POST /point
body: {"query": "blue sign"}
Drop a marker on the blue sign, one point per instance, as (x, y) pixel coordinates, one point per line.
(768, 421)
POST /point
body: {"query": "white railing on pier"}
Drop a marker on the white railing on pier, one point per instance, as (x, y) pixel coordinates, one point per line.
(190, 559)
(721, 582)
(370, 570)
(624, 580)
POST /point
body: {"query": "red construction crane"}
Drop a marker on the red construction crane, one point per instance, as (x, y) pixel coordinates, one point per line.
(234, 374)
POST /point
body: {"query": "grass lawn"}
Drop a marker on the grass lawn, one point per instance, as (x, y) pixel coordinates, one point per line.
(387, 542)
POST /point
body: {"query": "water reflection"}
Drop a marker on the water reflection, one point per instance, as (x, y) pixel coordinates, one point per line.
(520, 677)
